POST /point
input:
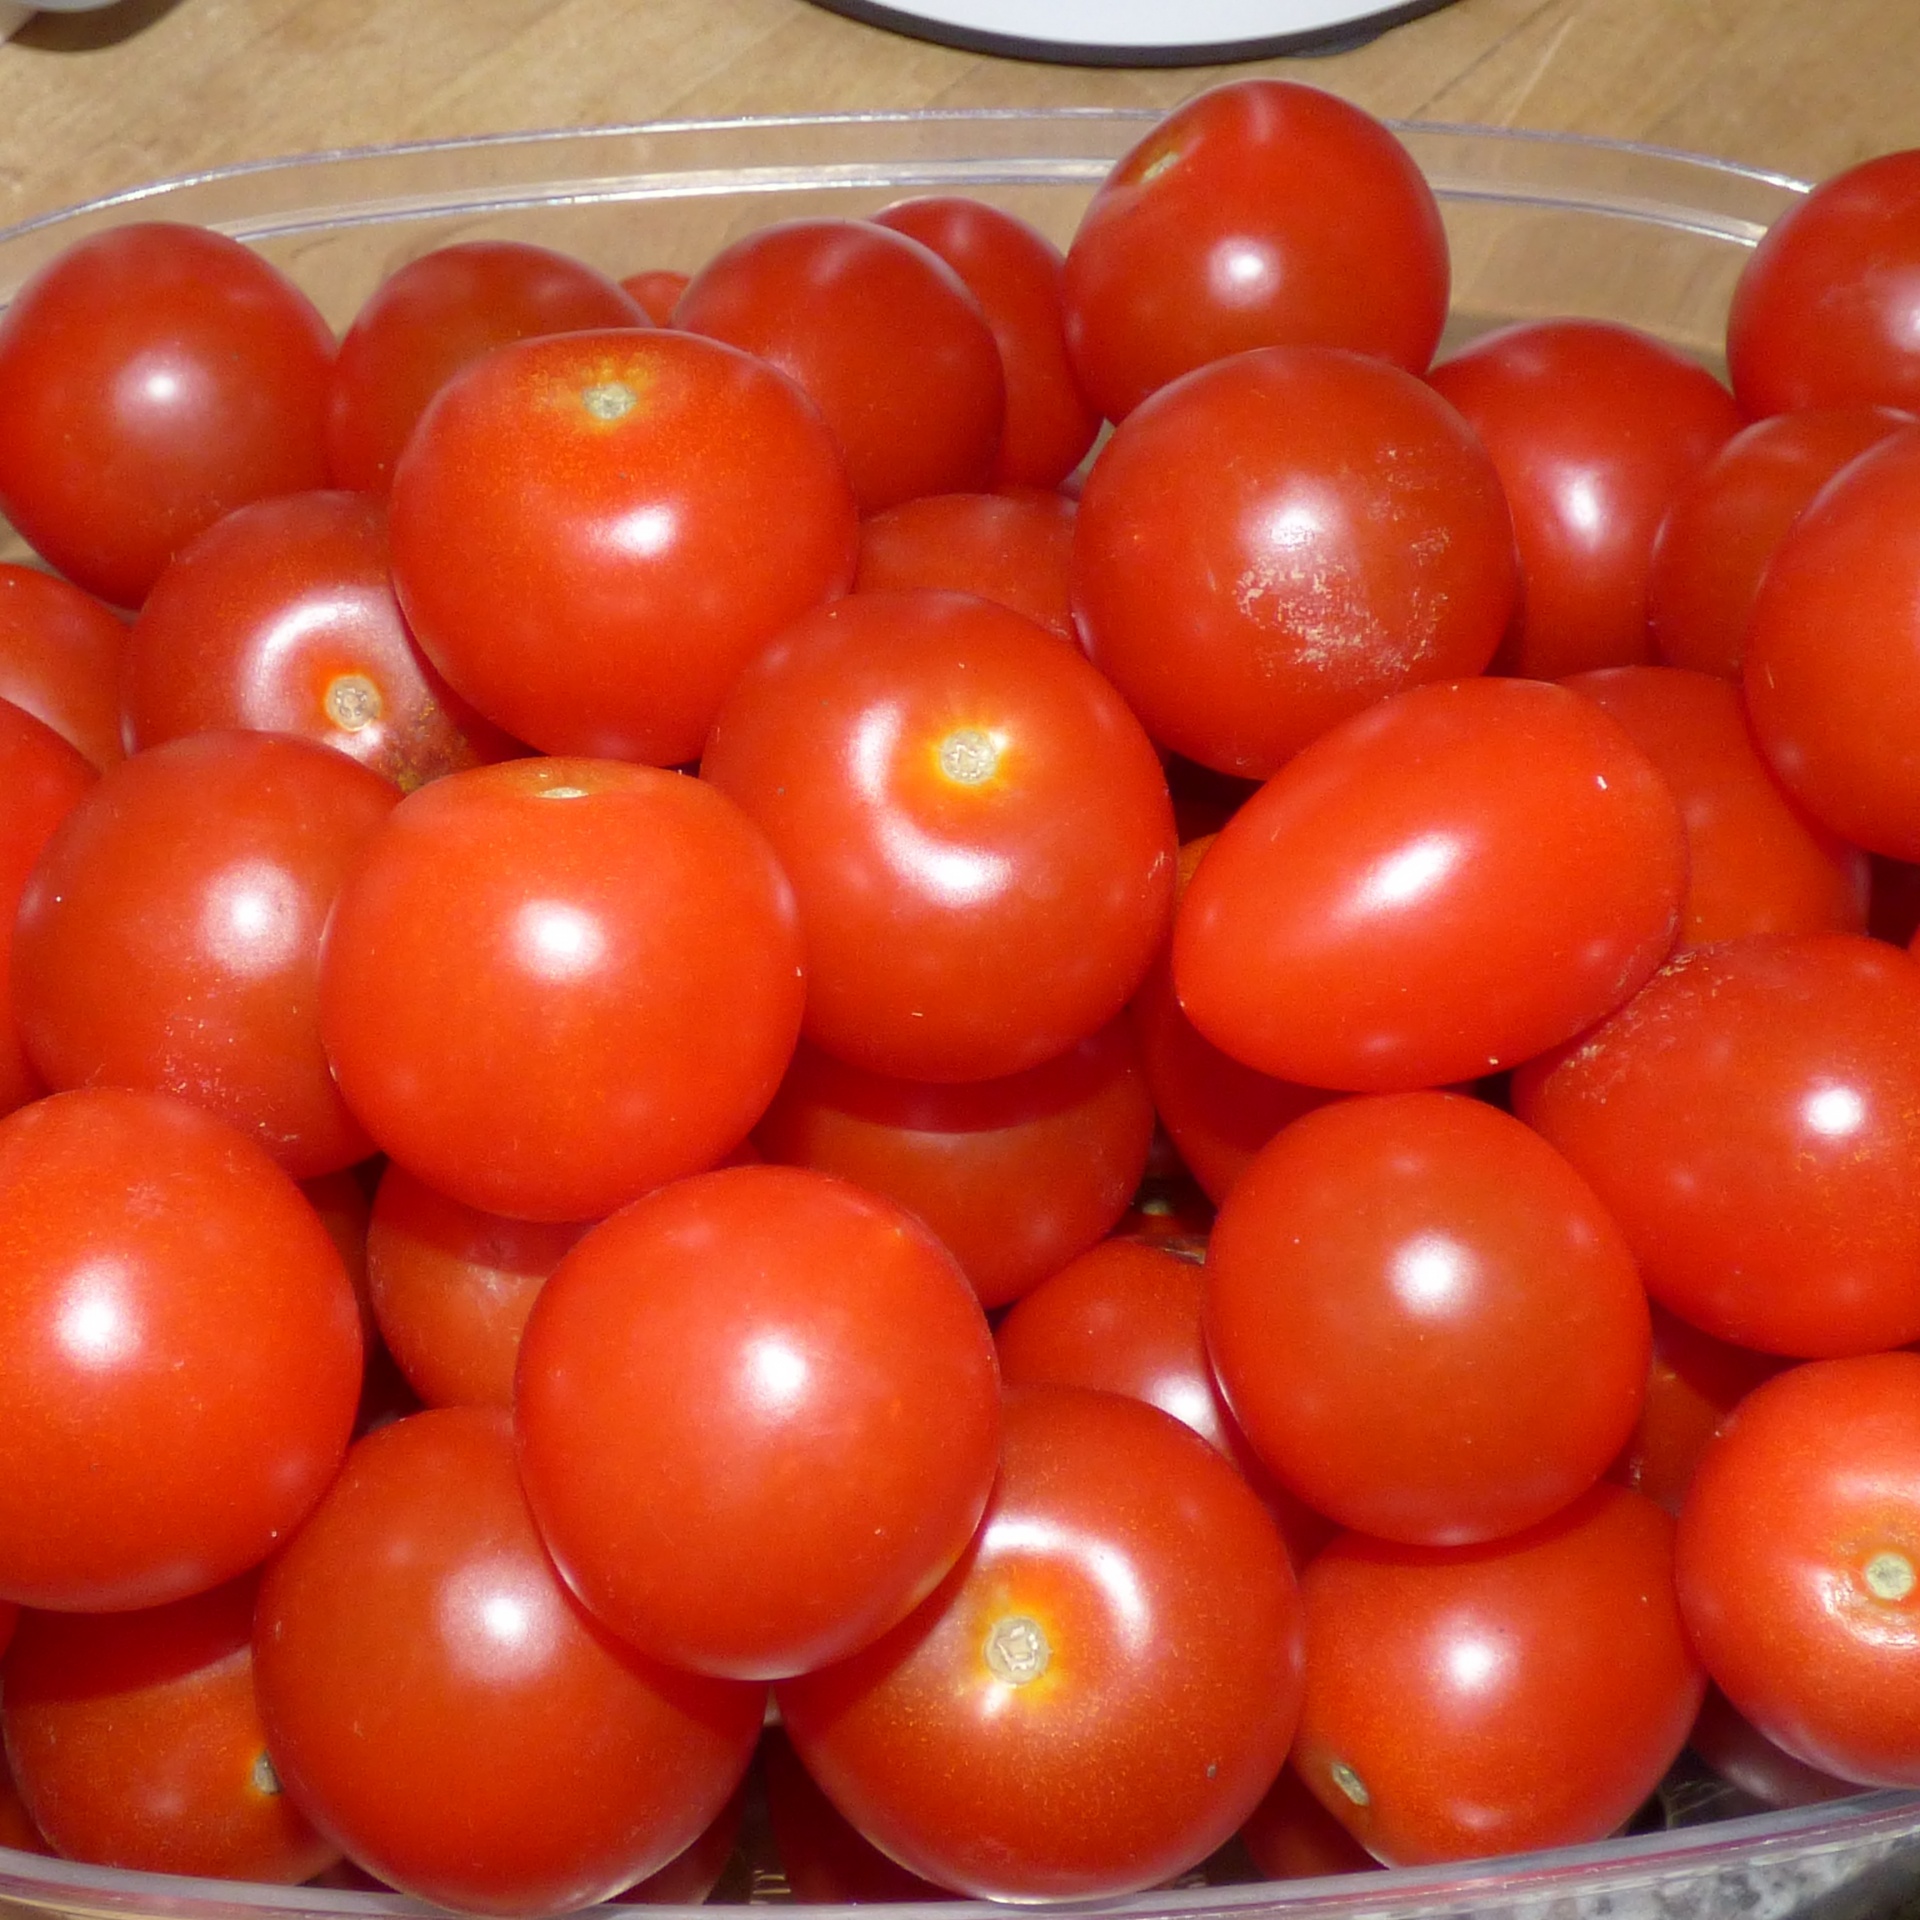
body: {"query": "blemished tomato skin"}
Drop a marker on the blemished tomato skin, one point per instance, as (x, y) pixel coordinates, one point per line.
(1199, 243)
(157, 376)
(1441, 887)
(592, 533)
(1102, 1689)
(758, 1417)
(443, 1707)
(1468, 1701)
(180, 1352)
(1799, 1564)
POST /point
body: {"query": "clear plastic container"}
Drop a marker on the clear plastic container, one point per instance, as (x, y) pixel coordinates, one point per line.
(1539, 225)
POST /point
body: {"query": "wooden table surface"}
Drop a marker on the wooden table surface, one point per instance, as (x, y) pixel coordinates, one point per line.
(90, 103)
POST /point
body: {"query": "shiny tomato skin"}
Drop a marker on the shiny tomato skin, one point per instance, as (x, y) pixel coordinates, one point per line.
(955, 795)
(135, 1741)
(444, 1708)
(1441, 887)
(1424, 1320)
(1015, 272)
(1467, 1701)
(758, 1416)
(431, 317)
(1200, 244)
(1278, 540)
(1799, 1564)
(170, 936)
(60, 660)
(157, 376)
(885, 338)
(1825, 311)
(1751, 1118)
(1098, 1694)
(623, 936)
(563, 515)
(179, 1352)
(281, 618)
(1594, 429)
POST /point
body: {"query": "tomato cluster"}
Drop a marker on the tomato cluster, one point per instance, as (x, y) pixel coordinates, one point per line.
(585, 990)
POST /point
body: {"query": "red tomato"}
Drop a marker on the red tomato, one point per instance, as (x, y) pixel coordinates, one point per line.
(1424, 1320)
(1121, 1639)
(566, 515)
(1826, 311)
(451, 1288)
(1799, 1564)
(179, 1352)
(883, 335)
(1201, 243)
(1755, 862)
(1015, 273)
(1724, 524)
(692, 1875)
(1015, 1175)
(1832, 668)
(955, 795)
(1752, 1120)
(758, 1415)
(135, 1741)
(60, 660)
(156, 377)
(281, 618)
(1440, 887)
(1594, 429)
(1464, 1701)
(432, 317)
(1291, 1836)
(170, 936)
(626, 942)
(1278, 540)
(1745, 1758)
(442, 1706)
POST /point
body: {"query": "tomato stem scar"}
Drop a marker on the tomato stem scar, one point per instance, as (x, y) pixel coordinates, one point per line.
(1017, 1649)
(1890, 1576)
(969, 755)
(609, 400)
(352, 701)
(1350, 1783)
(265, 1780)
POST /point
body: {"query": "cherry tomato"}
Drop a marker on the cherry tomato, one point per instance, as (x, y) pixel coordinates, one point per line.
(1825, 313)
(758, 1415)
(440, 1704)
(626, 942)
(281, 618)
(1799, 1564)
(1595, 429)
(1276, 541)
(432, 317)
(1438, 888)
(1752, 1119)
(1201, 243)
(1121, 1639)
(179, 1352)
(60, 660)
(566, 515)
(170, 936)
(883, 335)
(1291, 1836)
(157, 377)
(135, 1741)
(955, 795)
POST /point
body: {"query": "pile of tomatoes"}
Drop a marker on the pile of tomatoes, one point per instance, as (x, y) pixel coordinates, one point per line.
(608, 891)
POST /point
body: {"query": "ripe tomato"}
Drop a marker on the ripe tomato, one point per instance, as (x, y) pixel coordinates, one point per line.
(956, 796)
(626, 942)
(1277, 540)
(1440, 887)
(60, 660)
(758, 1415)
(1799, 1564)
(441, 1705)
(1121, 1639)
(825, 1859)
(157, 377)
(135, 1741)
(1464, 1701)
(1200, 243)
(179, 1352)
(1291, 1836)
(564, 518)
